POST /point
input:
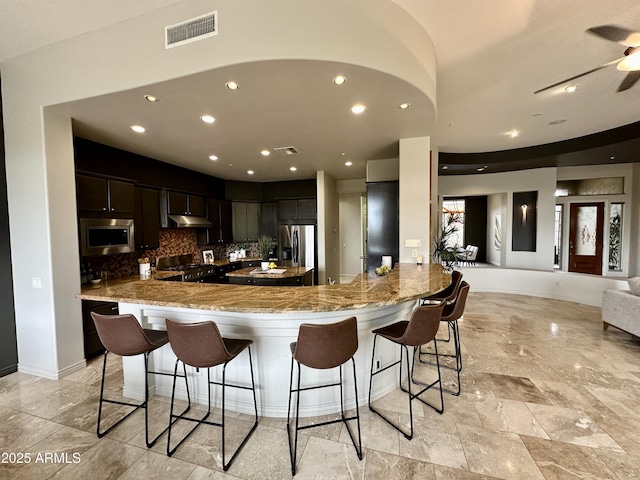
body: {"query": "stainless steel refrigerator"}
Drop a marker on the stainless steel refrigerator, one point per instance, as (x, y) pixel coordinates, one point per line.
(298, 245)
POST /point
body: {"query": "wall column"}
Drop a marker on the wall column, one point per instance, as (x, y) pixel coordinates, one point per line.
(415, 197)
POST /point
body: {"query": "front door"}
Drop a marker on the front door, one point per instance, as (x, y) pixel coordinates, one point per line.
(585, 237)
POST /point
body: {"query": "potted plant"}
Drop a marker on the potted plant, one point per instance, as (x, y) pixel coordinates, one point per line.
(242, 249)
(443, 252)
(264, 245)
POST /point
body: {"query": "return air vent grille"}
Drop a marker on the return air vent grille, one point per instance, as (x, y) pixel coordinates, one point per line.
(195, 29)
(286, 150)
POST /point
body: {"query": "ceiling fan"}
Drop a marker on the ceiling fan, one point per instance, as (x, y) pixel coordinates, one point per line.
(629, 63)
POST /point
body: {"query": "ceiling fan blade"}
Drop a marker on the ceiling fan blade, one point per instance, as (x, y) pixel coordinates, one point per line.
(616, 34)
(629, 81)
(578, 76)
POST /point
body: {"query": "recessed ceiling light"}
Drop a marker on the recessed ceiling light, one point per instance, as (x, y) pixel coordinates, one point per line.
(571, 88)
(138, 128)
(514, 133)
(151, 98)
(293, 169)
(207, 119)
(339, 80)
(232, 85)
(265, 152)
(348, 163)
(404, 106)
(358, 109)
(213, 157)
(250, 172)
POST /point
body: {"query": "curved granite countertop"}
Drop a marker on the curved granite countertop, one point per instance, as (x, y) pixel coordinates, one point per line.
(406, 282)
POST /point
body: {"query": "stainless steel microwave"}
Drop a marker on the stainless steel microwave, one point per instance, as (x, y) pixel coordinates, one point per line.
(106, 236)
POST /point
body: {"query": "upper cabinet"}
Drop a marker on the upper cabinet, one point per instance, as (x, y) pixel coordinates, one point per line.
(219, 214)
(246, 221)
(296, 210)
(147, 218)
(184, 204)
(101, 195)
(269, 219)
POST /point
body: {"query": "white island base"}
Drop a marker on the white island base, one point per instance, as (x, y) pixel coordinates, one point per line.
(272, 334)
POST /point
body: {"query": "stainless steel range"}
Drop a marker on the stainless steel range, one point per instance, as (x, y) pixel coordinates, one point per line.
(186, 271)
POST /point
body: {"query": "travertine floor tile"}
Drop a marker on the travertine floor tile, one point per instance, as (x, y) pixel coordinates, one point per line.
(509, 416)
(572, 426)
(382, 466)
(498, 454)
(562, 460)
(433, 442)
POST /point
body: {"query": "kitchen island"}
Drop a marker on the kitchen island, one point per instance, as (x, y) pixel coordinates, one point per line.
(275, 277)
(271, 317)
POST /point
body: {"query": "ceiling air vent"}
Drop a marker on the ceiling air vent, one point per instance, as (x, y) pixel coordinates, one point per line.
(286, 150)
(192, 30)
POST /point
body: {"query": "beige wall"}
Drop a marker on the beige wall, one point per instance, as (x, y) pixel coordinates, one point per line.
(131, 54)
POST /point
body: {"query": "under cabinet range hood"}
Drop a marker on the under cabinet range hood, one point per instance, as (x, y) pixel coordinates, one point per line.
(188, 221)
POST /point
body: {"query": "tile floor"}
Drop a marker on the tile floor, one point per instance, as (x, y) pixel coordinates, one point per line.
(546, 395)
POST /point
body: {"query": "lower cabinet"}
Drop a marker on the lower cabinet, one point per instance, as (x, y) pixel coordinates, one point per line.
(299, 281)
(92, 344)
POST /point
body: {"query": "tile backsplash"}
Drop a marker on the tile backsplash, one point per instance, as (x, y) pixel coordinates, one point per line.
(178, 241)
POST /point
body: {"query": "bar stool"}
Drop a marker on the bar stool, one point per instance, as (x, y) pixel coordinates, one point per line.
(200, 345)
(123, 335)
(449, 294)
(451, 313)
(323, 347)
(419, 330)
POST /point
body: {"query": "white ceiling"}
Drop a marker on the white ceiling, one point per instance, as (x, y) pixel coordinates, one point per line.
(492, 56)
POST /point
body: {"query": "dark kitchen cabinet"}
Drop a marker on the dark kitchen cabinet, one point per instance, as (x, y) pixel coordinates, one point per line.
(269, 219)
(179, 203)
(92, 344)
(147, 218)
(296, 210)
(219, 214)
(101, 195)
(226, 222)
(383, 216)
(297, 281)
(246, 221)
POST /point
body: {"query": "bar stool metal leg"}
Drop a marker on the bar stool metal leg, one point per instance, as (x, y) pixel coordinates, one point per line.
(203, 420)
(144, 405)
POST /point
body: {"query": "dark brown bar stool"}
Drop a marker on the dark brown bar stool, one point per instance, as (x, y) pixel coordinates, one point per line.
(200, 345)
(323, 347)
(124, 336)
(449, 294)
(419, 330)
(451, 314)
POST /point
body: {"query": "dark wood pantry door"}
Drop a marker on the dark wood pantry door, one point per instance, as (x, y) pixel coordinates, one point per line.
(586, 227)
